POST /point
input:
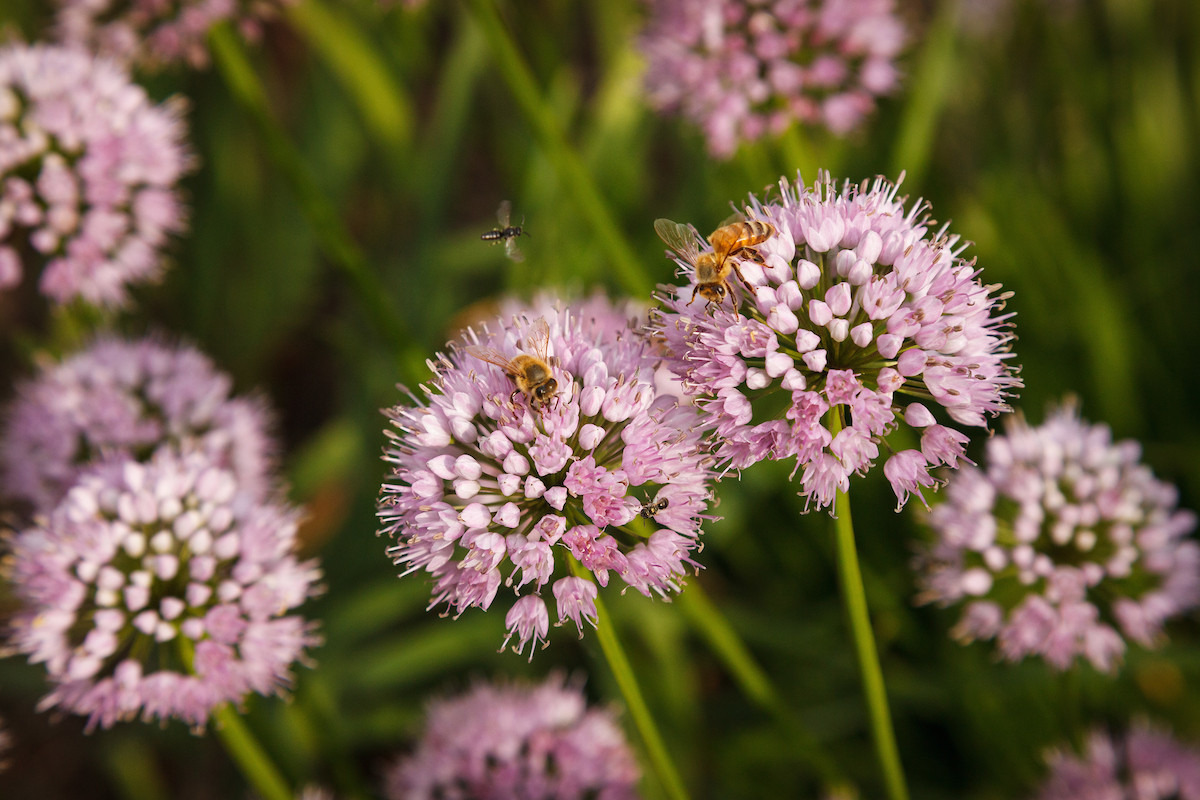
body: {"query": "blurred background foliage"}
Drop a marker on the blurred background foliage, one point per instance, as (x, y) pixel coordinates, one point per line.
(347, 166)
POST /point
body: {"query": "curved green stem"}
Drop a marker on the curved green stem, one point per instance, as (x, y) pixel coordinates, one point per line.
(553, 140)
(254, 762)
(855, 598)
(753, 681)
(618, 662)
(332, 237)
(241, 745)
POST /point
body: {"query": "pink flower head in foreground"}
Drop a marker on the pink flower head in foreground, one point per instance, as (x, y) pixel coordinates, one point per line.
(488, 488)
(1061, 536)
(858, 308)
(1145, 764)
(88, 174)
(159, 590)
(156, 33)
(742, 70)
(128, 399)
(531, 742)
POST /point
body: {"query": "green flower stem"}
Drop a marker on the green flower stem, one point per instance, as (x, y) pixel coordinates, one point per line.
(656, 750)
(855, 598)
(711, 624)
(383, 102)
(332, 237)
(241, 745)
(929, 88)
(249, 755)
(553, 140)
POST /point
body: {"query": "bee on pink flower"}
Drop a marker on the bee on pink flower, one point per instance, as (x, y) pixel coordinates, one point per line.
(853, 306)
(491, 487)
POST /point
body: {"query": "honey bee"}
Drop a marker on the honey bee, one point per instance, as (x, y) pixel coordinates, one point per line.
(506, 233)
(652, 507)
(729, 242)
(530, 372)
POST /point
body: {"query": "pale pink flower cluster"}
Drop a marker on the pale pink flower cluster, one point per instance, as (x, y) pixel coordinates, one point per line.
(156, 33)
(744, 69)
(88, 174)
(160, 590)
(120, 399)
(859, 309)
(538, 742)
(486, 490)
(1061, 545)
(1144, 764)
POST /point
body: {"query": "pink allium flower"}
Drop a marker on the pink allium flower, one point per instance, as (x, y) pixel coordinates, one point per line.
(128, 399)
(88, 174)
(743, 69)
(1145, 764)
(486, 490)
(1062, 544)
(531, 742)
(160, 590)
(157, 33)
(860, 308)
(315, 793)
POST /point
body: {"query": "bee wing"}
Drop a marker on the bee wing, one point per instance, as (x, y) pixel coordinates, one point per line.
(537, 338)
(503, 213)
(492, 356)
(732, 219)
(679, 237)
(512, 251)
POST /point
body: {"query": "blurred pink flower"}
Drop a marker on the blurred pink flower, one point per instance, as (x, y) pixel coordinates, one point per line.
(1145, 764)
(537, 742)
(744, 69)
(88, 174)
(160, 590)
(128, 399)
(157, 33)
(1062, 545)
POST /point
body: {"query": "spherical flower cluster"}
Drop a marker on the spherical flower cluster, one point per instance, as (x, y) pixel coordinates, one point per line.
(160, 590)
(1145, 764)
(1061, 535)
(533, 742)
(88, 173)
(741, 70)
(488, 487)
(857, 311)
(127, 399)
(156, 33)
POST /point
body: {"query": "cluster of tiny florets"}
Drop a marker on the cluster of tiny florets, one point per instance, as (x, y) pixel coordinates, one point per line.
(857, 310)
(156, 33)
(1144, 764)
(538, 742)
(1061, 545)
(88, 173)
(487, 490)
(120, 399)
(742, 70)
(160, 590)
